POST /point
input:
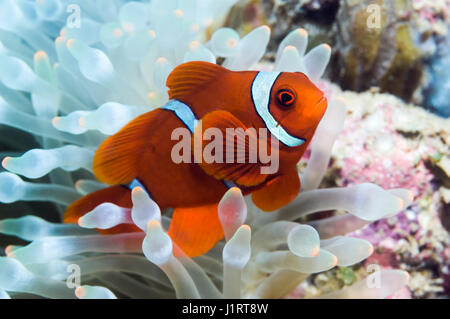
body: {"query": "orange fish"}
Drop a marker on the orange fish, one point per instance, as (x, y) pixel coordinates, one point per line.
(286, 104)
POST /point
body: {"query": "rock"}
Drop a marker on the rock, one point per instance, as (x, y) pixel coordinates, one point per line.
(375, 46)
(437, 95)
(444, 165)
(316, 16)
(445, 192)
(397, 46)
(398, 145)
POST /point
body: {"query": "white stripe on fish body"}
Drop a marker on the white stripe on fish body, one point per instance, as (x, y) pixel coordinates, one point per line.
(261, 89)
(183, 112)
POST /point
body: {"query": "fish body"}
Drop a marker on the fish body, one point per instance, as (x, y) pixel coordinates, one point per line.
(288, 105)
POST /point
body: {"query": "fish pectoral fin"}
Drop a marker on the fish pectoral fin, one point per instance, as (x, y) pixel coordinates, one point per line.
(227, 150)
(277, 192)
(195, 230)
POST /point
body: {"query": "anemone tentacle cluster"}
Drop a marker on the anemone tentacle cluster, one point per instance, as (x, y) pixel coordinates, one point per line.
(119, 54)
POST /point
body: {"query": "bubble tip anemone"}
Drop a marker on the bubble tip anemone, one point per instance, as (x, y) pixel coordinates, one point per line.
(5, 162)
(40, 55)
(55, 121)
(302, 32)
(81, 121)
(315, 251)
(137, 191)
(82, 223)
(157, 245)
(70, 43)
(335, 261)
(80, 292)
(93, 292)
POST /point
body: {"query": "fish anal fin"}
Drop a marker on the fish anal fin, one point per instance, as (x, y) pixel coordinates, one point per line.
(243, 167)
(278, 192)
(196, 230)
(189, 77)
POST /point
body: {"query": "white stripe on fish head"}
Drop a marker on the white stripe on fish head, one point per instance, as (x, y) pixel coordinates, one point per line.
(261, 91)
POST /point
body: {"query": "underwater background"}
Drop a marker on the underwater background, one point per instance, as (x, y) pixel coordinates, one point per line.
(375, 181)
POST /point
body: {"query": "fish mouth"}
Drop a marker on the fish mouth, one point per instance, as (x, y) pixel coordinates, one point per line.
(323, 98)
(322, 103)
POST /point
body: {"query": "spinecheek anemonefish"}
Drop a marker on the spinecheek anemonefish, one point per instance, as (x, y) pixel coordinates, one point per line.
(287, 104)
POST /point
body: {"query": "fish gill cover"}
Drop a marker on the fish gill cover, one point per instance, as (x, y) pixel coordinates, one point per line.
(73, 73)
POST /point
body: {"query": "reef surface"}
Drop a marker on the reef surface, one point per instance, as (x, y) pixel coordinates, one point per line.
(393, 144)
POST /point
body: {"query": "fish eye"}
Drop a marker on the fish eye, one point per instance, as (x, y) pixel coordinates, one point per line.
(285, 97)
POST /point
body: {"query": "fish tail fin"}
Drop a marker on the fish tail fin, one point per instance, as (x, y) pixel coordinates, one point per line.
(196, 230)
(118, 194)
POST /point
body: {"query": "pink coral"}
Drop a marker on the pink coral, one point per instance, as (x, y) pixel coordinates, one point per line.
(384, 157)
(391, 144)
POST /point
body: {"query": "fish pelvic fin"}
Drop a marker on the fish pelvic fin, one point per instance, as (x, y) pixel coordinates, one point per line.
(277, 192)
(195, 230)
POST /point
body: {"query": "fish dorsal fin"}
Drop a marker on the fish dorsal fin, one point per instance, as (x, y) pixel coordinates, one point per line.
(192, 76)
